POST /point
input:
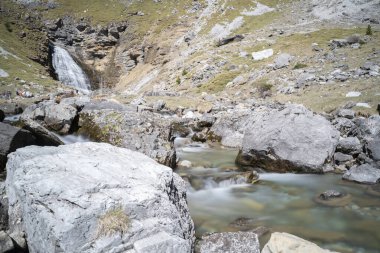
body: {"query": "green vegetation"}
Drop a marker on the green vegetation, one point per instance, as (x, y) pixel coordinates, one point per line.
(219, 82)
(300, 66)
(112, 222)
(99, 11)
(8, 27)
(178, 80)
(184, 72)
(369, 30)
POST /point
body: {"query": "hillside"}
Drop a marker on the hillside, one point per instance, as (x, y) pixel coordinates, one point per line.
(172, 47)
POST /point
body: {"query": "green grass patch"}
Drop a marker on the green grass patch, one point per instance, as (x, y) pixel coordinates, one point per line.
(219, 82)
(299, 66)
(99, 11)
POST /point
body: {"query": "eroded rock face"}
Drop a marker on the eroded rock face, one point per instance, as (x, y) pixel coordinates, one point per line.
(237, 242)
(287, 243)
(145, 131)
(68, 198)
(289, 139)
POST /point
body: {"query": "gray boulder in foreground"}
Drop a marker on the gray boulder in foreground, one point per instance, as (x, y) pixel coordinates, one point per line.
(365, 174)
(287, 243)
(236, 242)
(289, 139)
(94, 197)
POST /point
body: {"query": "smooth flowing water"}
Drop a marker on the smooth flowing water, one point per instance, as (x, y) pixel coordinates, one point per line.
(280, 202)
(68, 71)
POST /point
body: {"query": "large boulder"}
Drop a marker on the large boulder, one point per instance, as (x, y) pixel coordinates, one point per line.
(287, 243)
(365, 174)
(58, 117)
(236, 242)
(373, 147)
(289, 139)
(12, 138)
(94, 197)
(122, 126)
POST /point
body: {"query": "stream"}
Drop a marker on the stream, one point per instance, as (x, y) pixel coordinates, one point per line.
(279, 202)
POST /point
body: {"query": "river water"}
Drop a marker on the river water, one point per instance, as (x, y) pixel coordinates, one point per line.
(280, 202)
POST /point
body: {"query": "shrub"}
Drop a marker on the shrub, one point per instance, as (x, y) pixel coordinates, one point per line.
(178, 81)
(112, 222)
(300, 66)
(8, 27)
(264, 89)
(369, 30)
(184, 72)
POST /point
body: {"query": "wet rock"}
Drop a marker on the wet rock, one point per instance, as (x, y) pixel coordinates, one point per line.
(184, 164)
(2, 116)
(200, 136)
(179, 129)
(107, 184)
(6, 243)
(346, 113)
(365, 174)
(237, 242)
(287, 243)
(340, 158)
(12, 138)
(333, 198)
(349, 145)
(291, 139)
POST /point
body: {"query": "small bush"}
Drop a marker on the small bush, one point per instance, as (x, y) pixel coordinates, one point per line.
(8, 27)
(264, 89)
(369, 30)
(178, 81)
(300, 66)
(112, 222)
(184, 72)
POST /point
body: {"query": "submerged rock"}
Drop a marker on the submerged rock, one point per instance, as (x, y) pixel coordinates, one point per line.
(365, 174)
(292, 139)
(287, 243)
(94, 197)
(236, 242)
(333, 198)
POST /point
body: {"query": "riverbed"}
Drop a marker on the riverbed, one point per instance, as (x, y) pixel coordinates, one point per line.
(279, 202)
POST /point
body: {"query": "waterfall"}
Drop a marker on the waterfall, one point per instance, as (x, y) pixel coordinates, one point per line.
(68, 71)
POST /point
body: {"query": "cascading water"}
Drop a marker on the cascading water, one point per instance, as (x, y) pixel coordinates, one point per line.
(68, 71)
